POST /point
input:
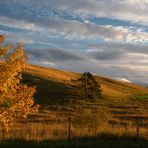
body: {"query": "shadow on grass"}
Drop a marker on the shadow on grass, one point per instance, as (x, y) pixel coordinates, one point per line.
(101, 141)
(48, 92)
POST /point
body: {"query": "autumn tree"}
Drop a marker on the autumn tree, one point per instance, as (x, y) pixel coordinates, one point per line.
(16, 99)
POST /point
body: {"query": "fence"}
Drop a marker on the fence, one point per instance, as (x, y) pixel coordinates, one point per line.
(71, 128)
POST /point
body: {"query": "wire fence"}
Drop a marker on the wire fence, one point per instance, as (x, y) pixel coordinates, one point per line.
(71, 128)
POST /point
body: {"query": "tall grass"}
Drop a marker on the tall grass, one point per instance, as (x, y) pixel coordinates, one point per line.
(58, 130)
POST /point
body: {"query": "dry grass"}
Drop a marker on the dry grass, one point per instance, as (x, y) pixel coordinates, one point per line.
(51, 74)
(52, 124)
(111, 88)
(54, 130)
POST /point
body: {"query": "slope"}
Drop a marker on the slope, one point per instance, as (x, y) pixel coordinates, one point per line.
(51, 84)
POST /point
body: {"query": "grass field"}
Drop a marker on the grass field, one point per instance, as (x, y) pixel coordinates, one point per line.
(118, 120)
(89, 120)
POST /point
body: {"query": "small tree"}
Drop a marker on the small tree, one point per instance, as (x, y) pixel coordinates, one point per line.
(86, 87)
(16, 99)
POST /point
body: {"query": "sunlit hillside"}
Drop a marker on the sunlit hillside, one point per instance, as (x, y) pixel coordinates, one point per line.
(52, 82)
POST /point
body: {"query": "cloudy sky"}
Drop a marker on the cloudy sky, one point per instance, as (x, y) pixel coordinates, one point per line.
(105, 37)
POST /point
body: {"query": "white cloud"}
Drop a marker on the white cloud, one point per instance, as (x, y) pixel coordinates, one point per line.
(73, 30)
(130, 10)
(124, 80)
(30, 18)
(19, 24)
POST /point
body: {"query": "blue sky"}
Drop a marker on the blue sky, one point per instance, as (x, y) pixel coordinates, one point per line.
(105, 37)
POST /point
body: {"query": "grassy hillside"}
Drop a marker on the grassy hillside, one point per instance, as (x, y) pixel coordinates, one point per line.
(51, 84)
(118, 117)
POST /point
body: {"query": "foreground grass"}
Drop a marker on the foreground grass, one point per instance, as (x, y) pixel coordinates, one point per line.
(104, 141)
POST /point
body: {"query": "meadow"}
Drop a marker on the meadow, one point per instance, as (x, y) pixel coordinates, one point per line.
(111, 123)
(118, 120)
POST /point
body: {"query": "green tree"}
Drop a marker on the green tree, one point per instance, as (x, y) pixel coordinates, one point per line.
(86, 87)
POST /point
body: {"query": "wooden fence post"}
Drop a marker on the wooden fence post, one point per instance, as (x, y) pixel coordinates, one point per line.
(3, 132)
(69, 129)
(42, 131)
(137, 128)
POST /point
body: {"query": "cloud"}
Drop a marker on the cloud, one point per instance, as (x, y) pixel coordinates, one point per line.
(128, 47)
(103, 54)
(54, 55)
(123, 53)
(115, 67)
(124, 80)
(130, 10)
(29, 15)
(20, 23)
(74, 30)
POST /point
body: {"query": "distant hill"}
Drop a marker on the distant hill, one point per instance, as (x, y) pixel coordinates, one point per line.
(51, 84)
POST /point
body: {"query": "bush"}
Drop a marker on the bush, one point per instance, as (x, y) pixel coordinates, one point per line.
(93, 117)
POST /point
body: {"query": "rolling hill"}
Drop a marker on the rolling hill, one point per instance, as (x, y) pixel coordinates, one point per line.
(51, 84)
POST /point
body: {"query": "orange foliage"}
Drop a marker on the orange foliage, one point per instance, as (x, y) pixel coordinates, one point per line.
(2, 37)
(16, 99)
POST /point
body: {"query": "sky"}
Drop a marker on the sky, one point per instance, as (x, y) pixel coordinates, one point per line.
(104, 37)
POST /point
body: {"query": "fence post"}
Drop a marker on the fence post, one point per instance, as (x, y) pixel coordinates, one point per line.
(137, 128)
(3, 131)
(69, 129)
(42, 131)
